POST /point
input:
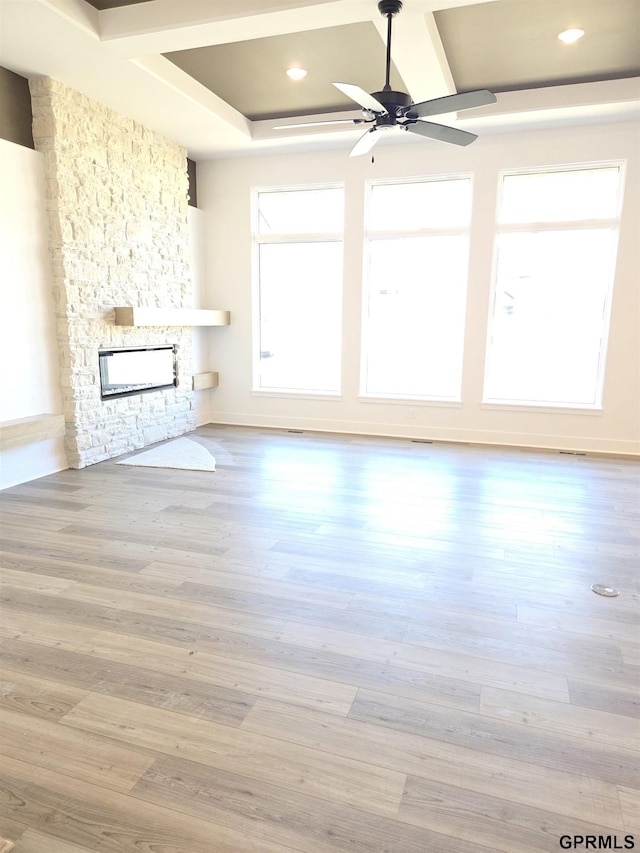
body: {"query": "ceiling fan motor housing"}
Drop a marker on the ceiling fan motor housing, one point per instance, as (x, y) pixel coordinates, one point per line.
(392, 102)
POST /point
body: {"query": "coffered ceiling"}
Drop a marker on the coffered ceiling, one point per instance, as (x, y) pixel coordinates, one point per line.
(211, 73)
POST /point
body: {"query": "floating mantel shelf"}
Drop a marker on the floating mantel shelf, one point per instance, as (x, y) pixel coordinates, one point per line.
(135, 316)
(201, 381)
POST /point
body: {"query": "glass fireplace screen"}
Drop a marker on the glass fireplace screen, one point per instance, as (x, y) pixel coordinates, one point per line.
(124, 372)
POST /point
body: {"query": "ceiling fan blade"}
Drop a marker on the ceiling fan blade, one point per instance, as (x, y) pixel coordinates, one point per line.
(450, 104)
(365, 143)
(441, 132)
(319, 123)
(366, 101)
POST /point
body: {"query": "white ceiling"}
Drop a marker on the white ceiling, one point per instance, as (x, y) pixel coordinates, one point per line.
(116, 56)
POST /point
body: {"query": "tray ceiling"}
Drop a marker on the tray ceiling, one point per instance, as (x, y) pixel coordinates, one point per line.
(211, 73)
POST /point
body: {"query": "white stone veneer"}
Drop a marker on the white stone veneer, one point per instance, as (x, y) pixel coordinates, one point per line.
(117, 207)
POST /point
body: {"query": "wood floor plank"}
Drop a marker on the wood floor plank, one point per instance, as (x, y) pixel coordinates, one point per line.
(621, 628)
(40, 842)
(604, 697)
(436, 761)
(37, 697)
(477, 670)
(136, 534)
(584, 602)
(62, 567)
(577, 578)
(125, 681)
(301, 546)
(568, 583)
(493, 821)
(207, 614)
(439, 592)
(38, 583)
(473, 630)
(264, 521)
(284, 608)
(630, 805)
(268, 759)
(215, 573)
(235, 674)
(112, 578)
(497, 737)
(356, 577)
(78, 754)
(95, 617)
(328, 666)
(562, 718)
(611, 670)
(427, 547)
(18, 521)
(306, 823)
(47, 632)
(269, 586)
(107, 821)
(631, 653)
(14, 498)
(10, 830)
(52, 485)
(68, 550)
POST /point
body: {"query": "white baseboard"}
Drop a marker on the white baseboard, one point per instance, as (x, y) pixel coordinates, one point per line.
(570, 443)
(30, 462)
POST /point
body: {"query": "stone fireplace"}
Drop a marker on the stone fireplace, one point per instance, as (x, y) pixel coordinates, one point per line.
(117, 206)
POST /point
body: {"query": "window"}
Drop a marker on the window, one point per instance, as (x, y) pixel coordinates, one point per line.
(416, 285)
(556, 250)
(299, 290)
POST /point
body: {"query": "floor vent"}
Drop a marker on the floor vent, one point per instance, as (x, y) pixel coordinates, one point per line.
(421, 441)
(297, 431)
(572, 453)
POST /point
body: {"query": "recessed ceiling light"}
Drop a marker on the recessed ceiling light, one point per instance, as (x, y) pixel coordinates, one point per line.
(296, 73)
(569, 36)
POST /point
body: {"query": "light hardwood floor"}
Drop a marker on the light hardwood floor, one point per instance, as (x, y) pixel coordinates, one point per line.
(331, 644)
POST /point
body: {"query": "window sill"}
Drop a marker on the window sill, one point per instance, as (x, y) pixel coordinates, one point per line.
(298, 395)
(543, 408)
(409, 401)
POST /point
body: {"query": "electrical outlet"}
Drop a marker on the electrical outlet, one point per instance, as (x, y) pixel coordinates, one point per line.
(412, 414)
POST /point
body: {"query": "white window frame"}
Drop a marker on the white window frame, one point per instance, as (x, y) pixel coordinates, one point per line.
(258, 240)
(380, 234)
(567, 225)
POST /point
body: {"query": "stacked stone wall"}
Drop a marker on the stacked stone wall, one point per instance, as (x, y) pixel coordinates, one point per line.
(117, 207)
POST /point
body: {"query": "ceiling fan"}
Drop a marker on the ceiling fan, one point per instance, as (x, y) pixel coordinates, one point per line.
(391, 109)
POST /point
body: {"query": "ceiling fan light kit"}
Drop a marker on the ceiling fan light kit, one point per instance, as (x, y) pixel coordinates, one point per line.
(390, 109)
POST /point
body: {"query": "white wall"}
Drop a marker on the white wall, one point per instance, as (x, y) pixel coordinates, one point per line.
(201, 335)
(29, 381)
(224, 192)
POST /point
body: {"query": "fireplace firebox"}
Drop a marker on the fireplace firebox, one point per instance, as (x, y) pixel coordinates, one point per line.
(137, 370)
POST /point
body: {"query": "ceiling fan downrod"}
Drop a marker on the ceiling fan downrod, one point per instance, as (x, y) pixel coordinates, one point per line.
(389, 8)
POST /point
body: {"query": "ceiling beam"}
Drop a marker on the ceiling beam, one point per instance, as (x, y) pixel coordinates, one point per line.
(181, 83)
(163, 26)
